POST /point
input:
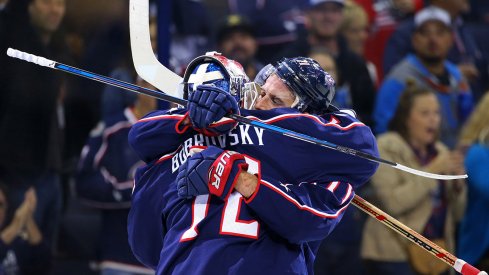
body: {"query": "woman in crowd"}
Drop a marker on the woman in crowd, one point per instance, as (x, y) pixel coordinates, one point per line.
(428, 206)
(354, 29)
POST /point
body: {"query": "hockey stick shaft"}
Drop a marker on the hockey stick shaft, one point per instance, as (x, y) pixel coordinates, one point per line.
(41, 61)
(160, 95)
(458, 264)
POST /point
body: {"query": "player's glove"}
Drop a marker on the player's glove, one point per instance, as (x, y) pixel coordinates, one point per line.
(209, 104)
(211, 171)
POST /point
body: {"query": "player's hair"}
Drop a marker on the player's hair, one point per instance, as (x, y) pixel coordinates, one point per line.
(398, 122)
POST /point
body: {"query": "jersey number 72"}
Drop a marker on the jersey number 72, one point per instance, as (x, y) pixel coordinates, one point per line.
(230, 223)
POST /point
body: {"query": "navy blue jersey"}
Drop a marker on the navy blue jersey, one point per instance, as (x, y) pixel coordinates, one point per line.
(302, 192)
(104, 180)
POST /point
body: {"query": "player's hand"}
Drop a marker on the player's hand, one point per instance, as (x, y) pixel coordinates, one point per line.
(211, 171)
(209, 104)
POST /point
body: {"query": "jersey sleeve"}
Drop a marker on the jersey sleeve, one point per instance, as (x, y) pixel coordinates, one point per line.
(303, 212)
(103, 178)
(145, 228)
(158, 133)
(304, 190)
(313, 163)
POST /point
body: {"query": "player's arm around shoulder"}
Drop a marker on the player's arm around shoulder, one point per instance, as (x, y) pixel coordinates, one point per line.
(344, 129)
(300, 212)
(158, 133)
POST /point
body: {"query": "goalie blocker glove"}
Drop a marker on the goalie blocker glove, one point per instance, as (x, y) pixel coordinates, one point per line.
(211, 171)
(209, 104)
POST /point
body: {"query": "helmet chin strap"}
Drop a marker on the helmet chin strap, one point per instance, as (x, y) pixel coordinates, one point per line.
(296, 102)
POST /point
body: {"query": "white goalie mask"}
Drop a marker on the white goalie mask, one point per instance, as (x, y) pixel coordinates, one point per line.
(215, 69)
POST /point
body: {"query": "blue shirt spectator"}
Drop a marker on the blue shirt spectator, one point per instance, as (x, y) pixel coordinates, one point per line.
(429, 69)
(473, 238)
(465, 52)
(455, 97)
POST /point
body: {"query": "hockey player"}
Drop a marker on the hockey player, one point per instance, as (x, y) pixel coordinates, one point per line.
(252, 202)
(105, 174)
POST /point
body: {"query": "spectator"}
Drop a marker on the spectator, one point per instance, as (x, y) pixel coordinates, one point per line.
(106, 47)
(191, 27)
(327, 62)
(479, 12)
(473, 239)
(3, 3)
(384, 17)
(30, 124)
(105, 176)
(236, 40)
(342, 98)
(354, 29)
(465, 52)
(23, 249)
(323, 20)
(276, 23)
(427, 206)
(428, 66)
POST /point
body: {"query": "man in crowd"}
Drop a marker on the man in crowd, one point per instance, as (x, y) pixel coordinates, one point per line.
(323, 22)
(465, 53)
(30, 124)
(236, 40)
(430, 69)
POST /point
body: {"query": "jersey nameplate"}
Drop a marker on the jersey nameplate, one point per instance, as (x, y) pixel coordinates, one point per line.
(243, 134)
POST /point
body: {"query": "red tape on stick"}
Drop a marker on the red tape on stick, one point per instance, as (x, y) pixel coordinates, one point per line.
(466, 268)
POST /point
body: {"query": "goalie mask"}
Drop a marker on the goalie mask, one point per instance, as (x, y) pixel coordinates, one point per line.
(215, 69)
(313, 87)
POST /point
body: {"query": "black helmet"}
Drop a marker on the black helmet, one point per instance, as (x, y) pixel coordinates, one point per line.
(309, 81)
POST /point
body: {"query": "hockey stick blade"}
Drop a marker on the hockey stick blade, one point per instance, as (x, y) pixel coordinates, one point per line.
(161, 95)
(458, 264)
(144, 59)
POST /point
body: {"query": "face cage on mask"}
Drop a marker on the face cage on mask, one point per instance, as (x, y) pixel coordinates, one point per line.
(242, 91)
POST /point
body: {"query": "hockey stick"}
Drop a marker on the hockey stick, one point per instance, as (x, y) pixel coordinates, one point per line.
(160, 95)
(145, 62)
(458, 264)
